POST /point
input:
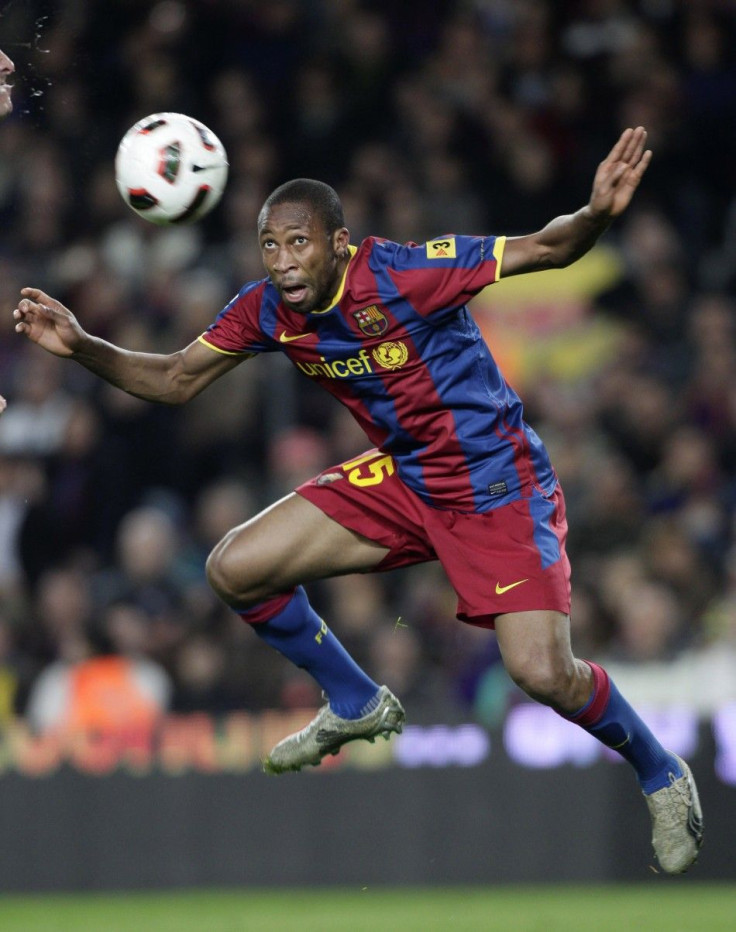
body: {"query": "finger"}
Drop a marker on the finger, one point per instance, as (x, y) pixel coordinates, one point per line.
(633, 175)
(639, 141)
(629, 147)
(634, 146)
(44, 301)
(609, 175)
(40, 297)
(26, 306)
(618, 150)
(642, 165)
(617, 174)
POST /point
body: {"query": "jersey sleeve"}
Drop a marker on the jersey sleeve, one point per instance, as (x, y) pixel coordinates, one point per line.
(237, 328)
(444, 273)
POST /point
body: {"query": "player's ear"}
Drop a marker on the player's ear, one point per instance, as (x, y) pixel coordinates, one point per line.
(340, 240)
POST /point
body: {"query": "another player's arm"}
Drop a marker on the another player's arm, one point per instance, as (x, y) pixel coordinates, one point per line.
(167, 378)
(569, 237)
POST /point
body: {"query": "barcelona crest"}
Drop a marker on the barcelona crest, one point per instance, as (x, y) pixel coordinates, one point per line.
(371, 320)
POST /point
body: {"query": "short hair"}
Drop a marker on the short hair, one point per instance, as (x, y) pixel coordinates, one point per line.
(323, 200)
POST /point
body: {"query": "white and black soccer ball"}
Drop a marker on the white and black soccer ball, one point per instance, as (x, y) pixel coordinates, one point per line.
(170, 168)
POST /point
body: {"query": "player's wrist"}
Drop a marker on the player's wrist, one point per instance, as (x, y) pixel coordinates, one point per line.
(596, 215)
(82, 345)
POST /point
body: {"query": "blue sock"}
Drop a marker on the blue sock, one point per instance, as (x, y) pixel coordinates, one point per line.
(297, 632)
(609, 718)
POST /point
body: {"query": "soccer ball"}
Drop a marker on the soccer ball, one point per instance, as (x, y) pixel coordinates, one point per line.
(170, 168)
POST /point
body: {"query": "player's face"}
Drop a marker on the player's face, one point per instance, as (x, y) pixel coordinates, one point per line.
(6, 69)
(304, 261)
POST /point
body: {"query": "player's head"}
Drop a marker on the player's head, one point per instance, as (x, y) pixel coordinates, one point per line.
(318, 196)
(304, 242)
(6, 69)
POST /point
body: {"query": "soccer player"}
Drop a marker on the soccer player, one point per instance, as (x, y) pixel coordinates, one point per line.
(456, 473)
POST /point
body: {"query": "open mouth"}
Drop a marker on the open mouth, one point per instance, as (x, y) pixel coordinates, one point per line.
(294, 294)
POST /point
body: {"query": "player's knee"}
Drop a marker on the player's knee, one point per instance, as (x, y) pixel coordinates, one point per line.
(550, 681)
(231, 576)
(217, 574)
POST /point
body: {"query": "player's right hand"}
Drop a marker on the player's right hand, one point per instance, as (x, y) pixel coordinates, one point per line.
(47, 322)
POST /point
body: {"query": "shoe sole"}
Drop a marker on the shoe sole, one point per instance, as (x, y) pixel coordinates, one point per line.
(695, 816)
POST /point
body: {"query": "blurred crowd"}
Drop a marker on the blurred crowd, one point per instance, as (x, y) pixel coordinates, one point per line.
(485, 116)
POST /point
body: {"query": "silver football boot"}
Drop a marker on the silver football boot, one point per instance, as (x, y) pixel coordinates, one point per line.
(677, 822)
(327, 733)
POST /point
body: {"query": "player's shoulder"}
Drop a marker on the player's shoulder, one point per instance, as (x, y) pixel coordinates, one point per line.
(374, 244)
(252, 295)
(377, 250)
(253, 289)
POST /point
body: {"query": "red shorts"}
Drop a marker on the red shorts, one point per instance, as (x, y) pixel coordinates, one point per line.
(509, 559)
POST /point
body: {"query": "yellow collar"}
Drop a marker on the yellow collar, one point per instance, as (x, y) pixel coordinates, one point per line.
(336, 299)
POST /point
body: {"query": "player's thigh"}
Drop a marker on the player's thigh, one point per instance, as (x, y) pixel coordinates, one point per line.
(293, 542)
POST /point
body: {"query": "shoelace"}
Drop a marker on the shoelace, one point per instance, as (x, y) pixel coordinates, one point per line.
(681, 786)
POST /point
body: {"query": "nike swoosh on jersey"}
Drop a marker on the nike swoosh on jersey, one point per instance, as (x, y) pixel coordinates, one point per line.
(283, 338)
(501, 589)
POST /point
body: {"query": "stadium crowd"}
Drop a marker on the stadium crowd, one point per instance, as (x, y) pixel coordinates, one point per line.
(477, 116)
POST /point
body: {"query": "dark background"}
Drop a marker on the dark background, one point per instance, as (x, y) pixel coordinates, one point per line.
(495, 823)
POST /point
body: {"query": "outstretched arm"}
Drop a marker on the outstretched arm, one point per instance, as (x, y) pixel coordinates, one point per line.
(569, 237)
(170, 379)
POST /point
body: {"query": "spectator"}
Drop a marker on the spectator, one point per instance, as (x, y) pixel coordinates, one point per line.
(117, 690)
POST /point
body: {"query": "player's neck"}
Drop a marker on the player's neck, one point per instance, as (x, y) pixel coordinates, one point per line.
(341, 271)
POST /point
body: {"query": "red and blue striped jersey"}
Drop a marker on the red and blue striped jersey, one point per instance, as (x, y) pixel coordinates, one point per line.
(399, 348)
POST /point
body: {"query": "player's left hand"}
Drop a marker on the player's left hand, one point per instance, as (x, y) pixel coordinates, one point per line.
(619, 174)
